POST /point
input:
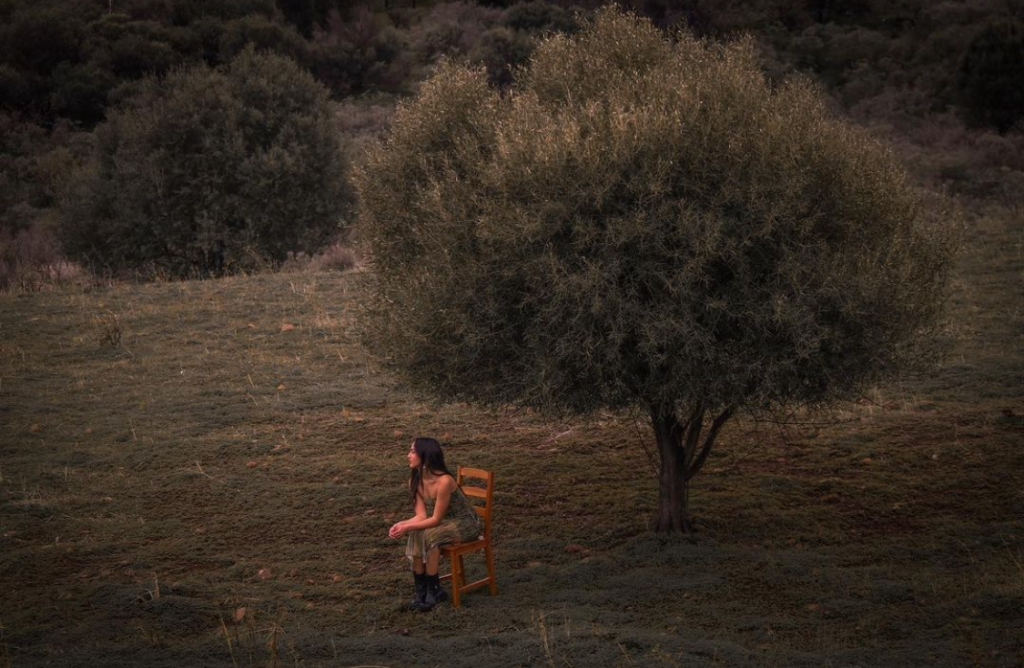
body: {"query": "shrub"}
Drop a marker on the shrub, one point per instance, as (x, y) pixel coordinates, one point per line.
(186, 11)
(39, 38)
(34, 165)
(539, 16)
(81, 91)
(210, 171)
(335, 258)
(138, 53)
(263, 34)
(501, 51)
(991, 77)
(451, 29)
(363, 120)
(29, 256)
(353, 56)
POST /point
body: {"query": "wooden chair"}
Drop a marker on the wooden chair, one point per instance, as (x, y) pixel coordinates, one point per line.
(456, 551)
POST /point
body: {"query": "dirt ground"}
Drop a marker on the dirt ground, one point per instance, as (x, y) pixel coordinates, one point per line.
(203, 473)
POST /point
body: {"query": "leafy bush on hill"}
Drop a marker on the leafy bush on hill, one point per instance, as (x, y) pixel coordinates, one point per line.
(211, 171)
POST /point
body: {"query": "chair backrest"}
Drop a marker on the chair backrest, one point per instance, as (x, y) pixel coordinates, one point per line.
(485, 492)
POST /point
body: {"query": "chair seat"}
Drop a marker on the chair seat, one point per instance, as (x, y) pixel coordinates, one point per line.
(460, 548)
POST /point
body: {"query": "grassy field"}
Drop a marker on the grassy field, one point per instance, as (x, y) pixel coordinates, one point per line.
(203, 473)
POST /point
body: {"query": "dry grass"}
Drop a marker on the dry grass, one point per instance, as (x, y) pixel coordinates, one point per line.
(202, 473)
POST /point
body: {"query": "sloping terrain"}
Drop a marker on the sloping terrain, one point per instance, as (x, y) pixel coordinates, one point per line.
(203, 473)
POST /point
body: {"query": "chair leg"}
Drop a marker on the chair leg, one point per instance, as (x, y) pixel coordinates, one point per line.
(457, 577)
(490, 570)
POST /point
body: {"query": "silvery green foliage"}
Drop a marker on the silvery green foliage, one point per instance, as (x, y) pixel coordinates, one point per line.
(642, 221)
(211, 170)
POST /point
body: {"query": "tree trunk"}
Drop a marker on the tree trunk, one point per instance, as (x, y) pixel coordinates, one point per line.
(682, 457)
(672, 494)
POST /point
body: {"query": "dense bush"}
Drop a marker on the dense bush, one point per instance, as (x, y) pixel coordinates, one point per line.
(64, 59)
(306, 14)
(991, 76)
(451, 29)
(263, 34)
(29, 257)
(538, 16)
(209, 171)
(503, 49)
(34, 164)
(355, 55)
(500, 51)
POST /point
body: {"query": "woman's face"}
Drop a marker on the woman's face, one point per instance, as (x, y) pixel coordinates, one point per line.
(414, 459)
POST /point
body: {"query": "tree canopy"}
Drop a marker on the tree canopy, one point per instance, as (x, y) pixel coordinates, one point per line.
(642, 219)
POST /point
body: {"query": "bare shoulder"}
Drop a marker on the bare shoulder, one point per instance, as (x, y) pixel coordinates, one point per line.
(449, 484)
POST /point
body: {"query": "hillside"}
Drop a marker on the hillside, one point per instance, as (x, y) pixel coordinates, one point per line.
(202, 473)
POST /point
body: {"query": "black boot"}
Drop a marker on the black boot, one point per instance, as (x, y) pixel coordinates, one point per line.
(421, 591)
(430, 599)
(434, 586)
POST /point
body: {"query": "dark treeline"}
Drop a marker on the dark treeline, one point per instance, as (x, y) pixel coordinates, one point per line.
(70, 60)
(64, 64)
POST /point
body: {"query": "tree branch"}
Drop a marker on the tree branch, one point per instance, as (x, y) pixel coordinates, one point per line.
(698, 414)
(693, 428)
(655, 463)
(709, 441)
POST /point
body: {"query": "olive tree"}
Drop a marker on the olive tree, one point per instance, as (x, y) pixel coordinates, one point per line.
(642, 222)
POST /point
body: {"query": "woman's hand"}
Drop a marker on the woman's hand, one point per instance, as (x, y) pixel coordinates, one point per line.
(397, 530)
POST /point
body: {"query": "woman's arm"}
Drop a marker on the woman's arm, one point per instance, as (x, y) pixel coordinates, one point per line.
(399, 528)
(421, 521)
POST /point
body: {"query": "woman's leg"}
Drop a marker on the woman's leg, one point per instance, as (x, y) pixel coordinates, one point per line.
(433, 561)
(435, 593)
(414, 550)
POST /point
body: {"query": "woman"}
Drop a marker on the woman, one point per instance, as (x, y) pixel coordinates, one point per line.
(443, 515)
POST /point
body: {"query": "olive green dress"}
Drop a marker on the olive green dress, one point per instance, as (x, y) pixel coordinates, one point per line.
(460, 524)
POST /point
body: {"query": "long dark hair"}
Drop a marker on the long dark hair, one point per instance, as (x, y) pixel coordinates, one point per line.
(431, 459)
